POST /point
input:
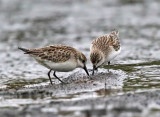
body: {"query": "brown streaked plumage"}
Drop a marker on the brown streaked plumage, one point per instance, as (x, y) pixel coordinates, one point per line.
(56, 53)
(58, 58)
(104, 49)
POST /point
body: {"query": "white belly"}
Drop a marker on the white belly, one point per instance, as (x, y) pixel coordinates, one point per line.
(61, 67)
(112, 54)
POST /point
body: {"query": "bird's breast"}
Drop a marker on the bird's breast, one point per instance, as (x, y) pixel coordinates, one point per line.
(112, 54)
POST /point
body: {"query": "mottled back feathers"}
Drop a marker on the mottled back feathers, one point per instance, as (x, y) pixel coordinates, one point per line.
(104, 43)
(55, 53)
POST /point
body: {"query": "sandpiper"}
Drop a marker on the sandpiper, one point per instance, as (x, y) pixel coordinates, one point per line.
(104, 49)
(58, 58)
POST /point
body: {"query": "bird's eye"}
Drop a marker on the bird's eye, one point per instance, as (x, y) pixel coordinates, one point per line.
(83, 61)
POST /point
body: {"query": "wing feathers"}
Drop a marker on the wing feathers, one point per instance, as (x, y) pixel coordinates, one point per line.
(54, 53)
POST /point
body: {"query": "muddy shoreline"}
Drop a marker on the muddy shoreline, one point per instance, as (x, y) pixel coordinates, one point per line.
(131, 88)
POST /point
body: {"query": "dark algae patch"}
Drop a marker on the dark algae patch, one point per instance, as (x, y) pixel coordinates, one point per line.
(140, 75)
(17, 84)
(131, 67)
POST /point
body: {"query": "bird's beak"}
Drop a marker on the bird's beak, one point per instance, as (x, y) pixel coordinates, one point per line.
(85, 68)
(94, 68)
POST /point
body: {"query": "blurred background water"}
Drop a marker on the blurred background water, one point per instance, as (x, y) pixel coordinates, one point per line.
(132, 85)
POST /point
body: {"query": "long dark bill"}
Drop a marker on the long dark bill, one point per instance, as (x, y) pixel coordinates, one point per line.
(94, 68)
(85, 68)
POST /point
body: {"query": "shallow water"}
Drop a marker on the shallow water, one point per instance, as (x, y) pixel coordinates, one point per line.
(130, 88)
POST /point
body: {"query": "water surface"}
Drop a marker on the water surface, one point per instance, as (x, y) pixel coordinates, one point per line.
(129, 89)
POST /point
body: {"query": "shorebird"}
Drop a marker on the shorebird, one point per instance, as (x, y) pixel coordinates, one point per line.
(104, 49)
(58, 58)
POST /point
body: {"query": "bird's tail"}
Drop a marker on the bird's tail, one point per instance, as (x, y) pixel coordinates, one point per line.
(115, 32)
(24, 50)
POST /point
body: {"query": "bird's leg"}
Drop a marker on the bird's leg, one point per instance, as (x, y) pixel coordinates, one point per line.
(109, 64)
(57, 77)
(50, 76)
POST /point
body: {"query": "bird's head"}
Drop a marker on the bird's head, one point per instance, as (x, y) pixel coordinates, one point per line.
(82, 60)
(97, 59)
